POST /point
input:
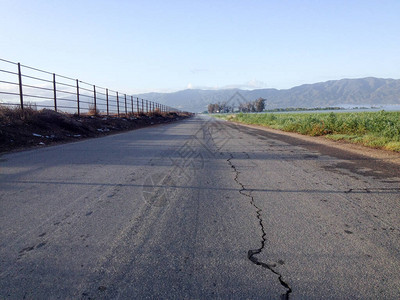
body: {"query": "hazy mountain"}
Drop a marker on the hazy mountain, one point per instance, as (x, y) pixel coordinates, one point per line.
(363, 91)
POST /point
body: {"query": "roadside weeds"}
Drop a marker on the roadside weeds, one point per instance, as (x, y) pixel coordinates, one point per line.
(29, 128)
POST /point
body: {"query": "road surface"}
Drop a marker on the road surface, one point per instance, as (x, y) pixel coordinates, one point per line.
(198, 209)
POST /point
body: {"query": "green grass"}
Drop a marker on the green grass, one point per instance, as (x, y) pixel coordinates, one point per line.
(373, 129)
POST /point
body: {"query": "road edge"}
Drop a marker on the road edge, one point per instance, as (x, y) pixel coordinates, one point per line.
(380, 154)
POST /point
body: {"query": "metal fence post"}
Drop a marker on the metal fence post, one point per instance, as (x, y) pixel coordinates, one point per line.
(107, 101)
(132, 104)
(55, 91)
(77, 96)
(21, 95)
(147, 106)
(94, 99)
(126, 107)
(142, 106)
(137, 104)
(117, 105)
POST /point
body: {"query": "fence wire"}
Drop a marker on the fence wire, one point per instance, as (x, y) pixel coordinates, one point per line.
(22, 86)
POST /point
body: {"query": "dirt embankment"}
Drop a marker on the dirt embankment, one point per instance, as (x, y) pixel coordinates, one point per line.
(46, 127)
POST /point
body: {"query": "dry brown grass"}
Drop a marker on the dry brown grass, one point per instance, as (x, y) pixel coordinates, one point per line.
(12, 114)
(93, 110)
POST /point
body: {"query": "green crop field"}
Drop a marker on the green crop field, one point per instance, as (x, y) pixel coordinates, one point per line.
(373, 129)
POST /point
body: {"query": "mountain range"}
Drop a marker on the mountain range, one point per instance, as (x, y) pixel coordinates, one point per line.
(357, 92)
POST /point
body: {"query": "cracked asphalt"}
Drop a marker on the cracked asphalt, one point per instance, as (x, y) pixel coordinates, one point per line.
(198, 209)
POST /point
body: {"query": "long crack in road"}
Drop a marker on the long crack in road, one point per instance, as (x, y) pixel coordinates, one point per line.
(251, 254)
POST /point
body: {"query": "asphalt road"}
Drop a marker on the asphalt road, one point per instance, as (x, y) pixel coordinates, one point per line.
(198, 209)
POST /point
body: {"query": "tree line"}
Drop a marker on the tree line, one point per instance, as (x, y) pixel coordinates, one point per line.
(250, 106)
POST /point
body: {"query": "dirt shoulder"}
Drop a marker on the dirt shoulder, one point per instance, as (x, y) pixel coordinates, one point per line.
(383, 155)
(47, 127)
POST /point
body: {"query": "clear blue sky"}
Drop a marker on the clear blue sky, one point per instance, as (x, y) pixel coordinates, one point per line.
(169, 45)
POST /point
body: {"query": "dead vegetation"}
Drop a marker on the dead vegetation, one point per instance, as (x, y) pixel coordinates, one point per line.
(35, 128)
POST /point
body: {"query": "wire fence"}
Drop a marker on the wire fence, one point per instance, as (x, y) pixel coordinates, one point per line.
(23, 86)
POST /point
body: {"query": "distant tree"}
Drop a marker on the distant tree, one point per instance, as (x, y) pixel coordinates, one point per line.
(260, 104)
(210, 108)
(243, 107)
(221, 107)
(250, 106)
(215, 108)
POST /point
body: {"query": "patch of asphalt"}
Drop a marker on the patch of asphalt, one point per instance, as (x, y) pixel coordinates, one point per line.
(376, 163)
